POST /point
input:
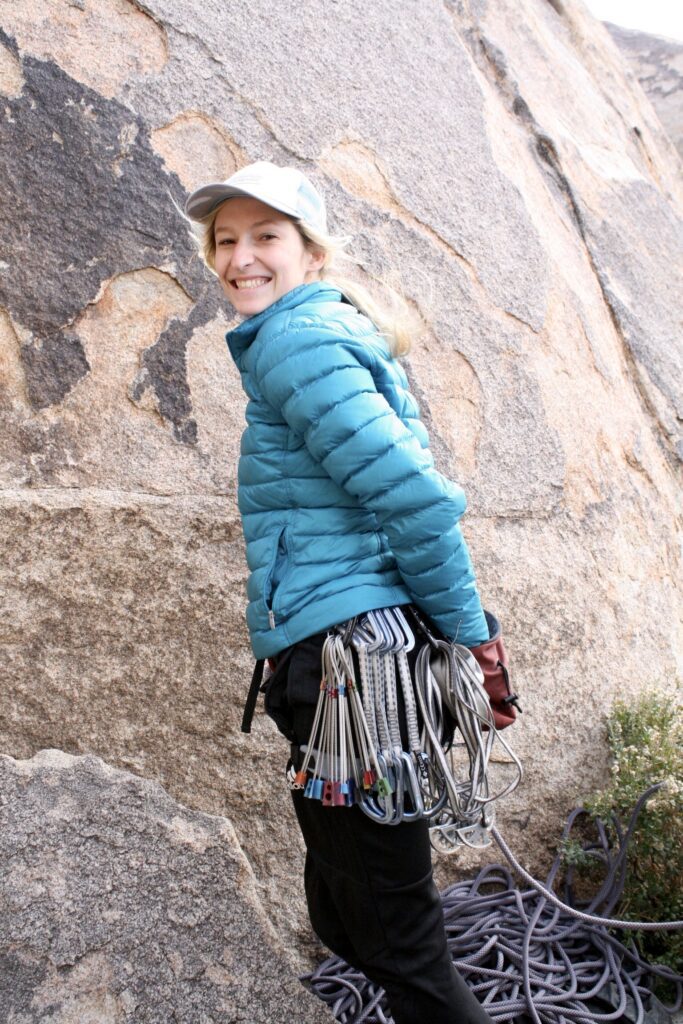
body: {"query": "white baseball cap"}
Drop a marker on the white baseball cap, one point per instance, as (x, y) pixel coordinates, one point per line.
(283, 188)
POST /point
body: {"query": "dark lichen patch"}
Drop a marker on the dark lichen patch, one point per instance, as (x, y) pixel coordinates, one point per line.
(21, 974)
(88, 199)
(165, 365)
(53, 364)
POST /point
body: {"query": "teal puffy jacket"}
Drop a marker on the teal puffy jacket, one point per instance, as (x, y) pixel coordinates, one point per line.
(341, 506)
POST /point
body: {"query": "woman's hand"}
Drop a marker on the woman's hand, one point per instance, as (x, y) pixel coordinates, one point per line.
(493, 661)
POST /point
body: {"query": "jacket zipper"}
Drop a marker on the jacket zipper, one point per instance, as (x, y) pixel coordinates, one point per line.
(271, 613)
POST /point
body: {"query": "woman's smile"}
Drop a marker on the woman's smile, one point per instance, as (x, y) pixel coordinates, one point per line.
(250, 282)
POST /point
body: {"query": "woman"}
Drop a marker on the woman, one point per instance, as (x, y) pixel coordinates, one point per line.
(343, 513)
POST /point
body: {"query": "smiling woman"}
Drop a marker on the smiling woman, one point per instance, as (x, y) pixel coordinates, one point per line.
(344, 515)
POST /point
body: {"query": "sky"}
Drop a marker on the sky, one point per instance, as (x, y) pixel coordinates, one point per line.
(660, 17)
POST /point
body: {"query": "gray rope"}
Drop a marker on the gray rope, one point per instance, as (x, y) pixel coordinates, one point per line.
(529, 954)
(607, 922)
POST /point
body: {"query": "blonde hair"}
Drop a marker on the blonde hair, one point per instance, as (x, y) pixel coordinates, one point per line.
(391, 315)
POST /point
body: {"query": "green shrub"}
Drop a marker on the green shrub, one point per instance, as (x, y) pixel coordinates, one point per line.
(645, 738)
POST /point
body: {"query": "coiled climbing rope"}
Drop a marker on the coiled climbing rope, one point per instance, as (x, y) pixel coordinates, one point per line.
(527, 954)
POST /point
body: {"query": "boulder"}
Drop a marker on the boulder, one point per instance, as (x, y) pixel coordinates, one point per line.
(120, 906)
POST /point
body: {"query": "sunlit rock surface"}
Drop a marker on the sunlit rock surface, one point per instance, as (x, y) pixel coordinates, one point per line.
(501, 159)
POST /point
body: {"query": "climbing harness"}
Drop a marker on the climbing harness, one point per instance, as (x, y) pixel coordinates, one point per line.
(530, 956)
(356, 752)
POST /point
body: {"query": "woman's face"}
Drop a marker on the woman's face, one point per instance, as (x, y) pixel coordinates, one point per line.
(260, 255)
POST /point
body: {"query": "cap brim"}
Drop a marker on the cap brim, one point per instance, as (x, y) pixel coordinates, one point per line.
(203, 201)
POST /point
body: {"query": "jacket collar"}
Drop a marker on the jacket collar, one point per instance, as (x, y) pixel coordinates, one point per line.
(240, 337)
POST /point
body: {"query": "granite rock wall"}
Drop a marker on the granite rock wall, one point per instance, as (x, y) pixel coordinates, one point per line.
(657, 63)
(500, 157)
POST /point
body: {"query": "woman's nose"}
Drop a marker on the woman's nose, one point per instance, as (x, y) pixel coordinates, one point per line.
(242, 254)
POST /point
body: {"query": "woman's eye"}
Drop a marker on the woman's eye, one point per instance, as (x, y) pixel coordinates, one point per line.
(267, 236)
(226, 241)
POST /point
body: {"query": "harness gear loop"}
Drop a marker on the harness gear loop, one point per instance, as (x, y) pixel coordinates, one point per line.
(355, 752)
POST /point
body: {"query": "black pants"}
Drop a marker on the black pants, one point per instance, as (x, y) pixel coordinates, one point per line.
(369, 887)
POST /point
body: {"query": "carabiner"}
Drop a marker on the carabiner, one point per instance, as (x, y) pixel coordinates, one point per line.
(381, 808)
(398, 784)
(413, 787)
(434, 796)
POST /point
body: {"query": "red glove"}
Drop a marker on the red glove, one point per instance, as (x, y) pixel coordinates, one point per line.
(493, 659)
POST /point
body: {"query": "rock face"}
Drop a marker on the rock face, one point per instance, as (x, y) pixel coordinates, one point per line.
(657, 63)
(119, 906)
(496, 155)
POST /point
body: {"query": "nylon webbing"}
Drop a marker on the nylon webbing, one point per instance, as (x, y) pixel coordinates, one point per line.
(252, 696)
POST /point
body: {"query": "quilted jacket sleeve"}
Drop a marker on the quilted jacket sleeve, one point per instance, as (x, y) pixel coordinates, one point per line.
(324, 387)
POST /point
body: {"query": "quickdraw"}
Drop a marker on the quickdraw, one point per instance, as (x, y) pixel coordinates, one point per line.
(356, 753)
